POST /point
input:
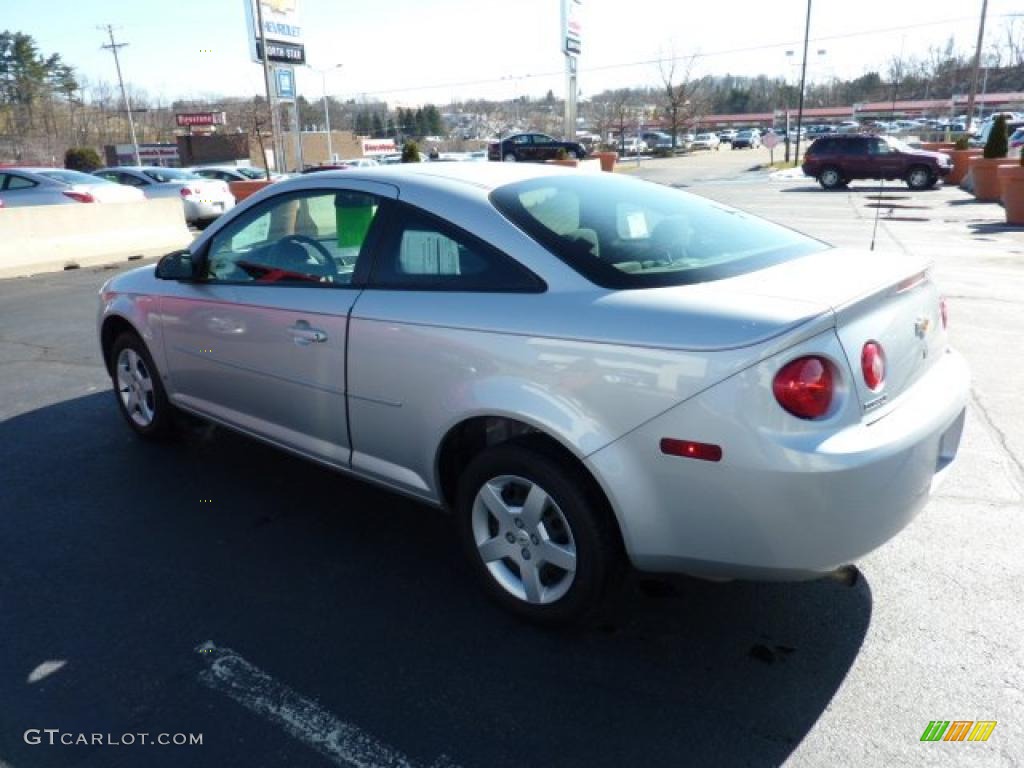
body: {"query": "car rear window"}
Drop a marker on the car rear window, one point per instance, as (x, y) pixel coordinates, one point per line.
(625, 233)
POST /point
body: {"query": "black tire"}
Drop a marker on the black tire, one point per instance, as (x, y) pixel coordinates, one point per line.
(920, 177)
(590, 529)
(831, 178)
(160, 425)
(580, 155)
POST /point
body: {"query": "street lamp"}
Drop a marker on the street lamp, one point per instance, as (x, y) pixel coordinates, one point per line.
(327, 113)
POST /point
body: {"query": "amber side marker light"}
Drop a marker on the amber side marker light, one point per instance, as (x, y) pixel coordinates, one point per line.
(690, 449)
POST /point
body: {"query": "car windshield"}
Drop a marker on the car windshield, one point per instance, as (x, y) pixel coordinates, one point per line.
(170, 174)
(71, 177)
(625, 233)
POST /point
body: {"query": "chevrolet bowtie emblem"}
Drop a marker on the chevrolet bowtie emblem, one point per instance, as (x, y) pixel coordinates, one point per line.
(921, 326)
(280, 6)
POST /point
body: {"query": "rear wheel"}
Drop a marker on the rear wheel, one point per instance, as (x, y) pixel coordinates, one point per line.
(580, 154)
(831, 178)
(540, 542)
(140, 393)
(919, 177)
(509, 158)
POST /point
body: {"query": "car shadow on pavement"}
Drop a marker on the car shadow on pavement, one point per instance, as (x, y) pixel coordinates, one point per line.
(120, 557)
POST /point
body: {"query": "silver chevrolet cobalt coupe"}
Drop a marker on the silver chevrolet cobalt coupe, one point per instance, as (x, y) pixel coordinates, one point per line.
(585, 369)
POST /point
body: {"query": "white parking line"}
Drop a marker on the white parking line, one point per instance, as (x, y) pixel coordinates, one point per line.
(342, 743)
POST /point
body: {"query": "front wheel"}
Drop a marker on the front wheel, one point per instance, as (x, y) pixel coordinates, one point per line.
(541, 542)
(140, 393)
(919, 178)
(580, 154)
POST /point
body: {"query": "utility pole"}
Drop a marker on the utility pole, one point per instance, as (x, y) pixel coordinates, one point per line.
(124, 96)
(803, 76)
(275, 128)
(977, 62)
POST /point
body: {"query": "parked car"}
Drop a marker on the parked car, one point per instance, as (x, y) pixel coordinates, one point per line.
(533, 148)
(1017, 138)
(233, 173)
(749, 138)
(727, 135)
(58, 186)
(848, 126)
(582, 368)
(632, 145)
(705, 141)
(242, 180)
(203, 200)
(835, 161)
(657, 140)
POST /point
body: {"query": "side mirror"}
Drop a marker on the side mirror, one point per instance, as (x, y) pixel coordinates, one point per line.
(177, 265)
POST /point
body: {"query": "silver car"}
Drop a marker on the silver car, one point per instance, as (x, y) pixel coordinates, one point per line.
(58, 186)
(585, 369)
(203, 200)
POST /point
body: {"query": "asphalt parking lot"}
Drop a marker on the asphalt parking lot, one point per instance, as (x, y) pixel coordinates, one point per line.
(293, 617)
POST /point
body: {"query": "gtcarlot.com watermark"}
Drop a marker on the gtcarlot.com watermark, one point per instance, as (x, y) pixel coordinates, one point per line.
(54, 736)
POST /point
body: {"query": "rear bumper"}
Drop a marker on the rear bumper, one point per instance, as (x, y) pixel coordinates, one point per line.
(199, 210)
(778, 505)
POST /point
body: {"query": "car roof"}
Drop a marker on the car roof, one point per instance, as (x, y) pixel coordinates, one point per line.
(486, 176)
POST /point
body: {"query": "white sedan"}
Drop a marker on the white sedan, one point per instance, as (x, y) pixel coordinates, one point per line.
(203, 199)
(705, 141)
(584, 369)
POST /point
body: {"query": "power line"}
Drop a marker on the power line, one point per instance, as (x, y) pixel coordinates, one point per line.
(667, 60)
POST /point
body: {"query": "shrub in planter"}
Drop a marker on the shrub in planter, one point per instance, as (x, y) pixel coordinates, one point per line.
(85, 159)
(961, 144)
(410, 152)
(983, 169)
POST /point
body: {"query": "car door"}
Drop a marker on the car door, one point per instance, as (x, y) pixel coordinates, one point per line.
(886, 161)
(414, 348)
(543, 147)
(258, 340)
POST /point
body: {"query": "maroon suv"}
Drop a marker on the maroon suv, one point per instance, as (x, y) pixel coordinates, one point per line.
(837, 160)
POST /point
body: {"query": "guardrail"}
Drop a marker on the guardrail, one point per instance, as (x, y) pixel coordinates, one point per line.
(50, 238)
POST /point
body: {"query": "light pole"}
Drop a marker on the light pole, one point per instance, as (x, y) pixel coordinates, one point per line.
(803, 77)
(327, 112)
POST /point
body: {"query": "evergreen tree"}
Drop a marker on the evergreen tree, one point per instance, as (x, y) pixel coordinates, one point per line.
(377, 125)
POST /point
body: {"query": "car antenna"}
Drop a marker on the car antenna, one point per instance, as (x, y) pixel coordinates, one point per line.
(892, 114)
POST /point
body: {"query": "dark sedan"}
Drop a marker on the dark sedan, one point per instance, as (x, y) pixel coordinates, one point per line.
(533, 148)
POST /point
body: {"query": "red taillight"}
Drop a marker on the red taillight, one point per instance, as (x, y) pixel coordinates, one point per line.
(804, 387)
(185, 191)
(81, 197)
(943, 312)
(872, 364)
(689, 449)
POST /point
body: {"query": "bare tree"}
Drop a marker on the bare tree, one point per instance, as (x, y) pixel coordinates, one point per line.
(680, 93)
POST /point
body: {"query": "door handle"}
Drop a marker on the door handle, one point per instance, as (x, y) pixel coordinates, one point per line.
(303, 334)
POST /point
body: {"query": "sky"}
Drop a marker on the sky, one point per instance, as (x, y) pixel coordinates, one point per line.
(414, 52)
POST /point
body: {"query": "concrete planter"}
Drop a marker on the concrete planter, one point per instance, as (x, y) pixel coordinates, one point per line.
(607, 160)
(568, 162)
(960, 158)
(986, 183)
(1011, 184)
(937, 146)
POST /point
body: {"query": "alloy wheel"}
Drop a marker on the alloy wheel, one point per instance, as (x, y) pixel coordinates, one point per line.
(135, 387)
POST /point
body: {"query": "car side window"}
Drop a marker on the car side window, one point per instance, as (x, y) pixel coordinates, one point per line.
(18, 182)
(312, 237)
(523, 139)
(422, 252)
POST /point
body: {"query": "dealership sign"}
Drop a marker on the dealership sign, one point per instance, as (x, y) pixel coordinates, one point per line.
(184, 119)
(378, 147)
(281, 29)
(572, 27)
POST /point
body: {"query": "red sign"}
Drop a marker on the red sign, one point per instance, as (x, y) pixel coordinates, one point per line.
(199, 118)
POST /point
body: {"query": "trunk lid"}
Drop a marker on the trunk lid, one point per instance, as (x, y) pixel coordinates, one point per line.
(886, 298)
